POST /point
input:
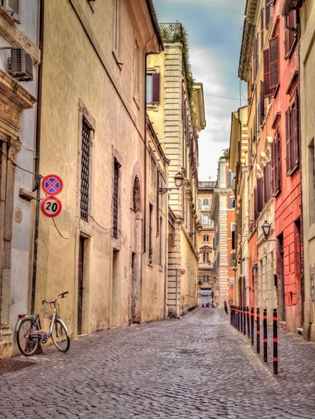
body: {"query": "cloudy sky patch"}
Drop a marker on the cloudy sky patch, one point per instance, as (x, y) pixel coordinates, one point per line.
(214, 29)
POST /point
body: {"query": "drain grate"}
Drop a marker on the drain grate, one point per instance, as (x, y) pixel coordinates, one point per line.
(12, 365)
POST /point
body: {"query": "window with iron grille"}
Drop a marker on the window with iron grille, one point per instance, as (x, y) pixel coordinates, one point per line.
(115, 198)
(85, 166)
(150, 234)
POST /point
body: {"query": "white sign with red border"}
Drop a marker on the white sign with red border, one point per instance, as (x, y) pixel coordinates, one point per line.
(51, 206)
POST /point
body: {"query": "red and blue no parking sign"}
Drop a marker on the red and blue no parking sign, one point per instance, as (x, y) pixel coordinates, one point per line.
(52, 184)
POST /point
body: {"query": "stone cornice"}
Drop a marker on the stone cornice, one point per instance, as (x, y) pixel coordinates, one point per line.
(248, 33)
(15, 37)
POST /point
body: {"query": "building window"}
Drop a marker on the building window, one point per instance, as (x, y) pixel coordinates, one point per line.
(150, 234)
(205, 202)
(231, 202)
(231, 176)
(206, 238)
(291, 23)
(292, 136)
(85, 166)
(136, 69)
(205, 219)
(271, 67)
(268, 4)
(153, 88)
(136, 198)
(161, 242)
(116, 197)
(276, 165)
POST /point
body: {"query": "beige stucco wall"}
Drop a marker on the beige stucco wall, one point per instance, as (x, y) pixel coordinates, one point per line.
(307, 85)
(81, 78)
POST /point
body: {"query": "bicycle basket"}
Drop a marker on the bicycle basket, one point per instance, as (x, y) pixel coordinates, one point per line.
(48, 309)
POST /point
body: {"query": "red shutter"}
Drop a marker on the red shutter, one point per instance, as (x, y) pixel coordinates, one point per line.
(268, 4)
(268, 90)
(262, 102)
(155, 88)
(273, 57)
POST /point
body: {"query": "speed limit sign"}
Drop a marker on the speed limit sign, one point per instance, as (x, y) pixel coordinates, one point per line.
(51, 206)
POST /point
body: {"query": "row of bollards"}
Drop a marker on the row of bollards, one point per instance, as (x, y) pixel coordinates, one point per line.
(243, 319)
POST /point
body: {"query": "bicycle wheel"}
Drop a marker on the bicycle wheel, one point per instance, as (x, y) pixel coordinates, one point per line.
(60, 337)
(26, 343)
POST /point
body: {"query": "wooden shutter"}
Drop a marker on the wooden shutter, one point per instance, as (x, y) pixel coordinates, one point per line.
(268, 14)
(255, 57)
(267, 88)
(278, 163)
(287, 138)
(262, 103)
(290, 37)
(296, 130)
(273, 63)
(155, 88)
(262, 29)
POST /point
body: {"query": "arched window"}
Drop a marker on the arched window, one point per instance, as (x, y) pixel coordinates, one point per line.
(136, 196)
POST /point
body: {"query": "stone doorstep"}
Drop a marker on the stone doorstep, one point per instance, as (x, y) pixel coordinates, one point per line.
(300, 330)
(282, 325)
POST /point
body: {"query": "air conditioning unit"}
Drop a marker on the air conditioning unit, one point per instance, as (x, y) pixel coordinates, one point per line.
(20, 65)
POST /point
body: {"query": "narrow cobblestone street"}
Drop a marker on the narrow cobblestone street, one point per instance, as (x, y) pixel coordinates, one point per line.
(195, 367)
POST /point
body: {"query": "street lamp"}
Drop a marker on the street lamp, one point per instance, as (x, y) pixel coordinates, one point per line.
(199, 227)
(266, 229)
(178, 180)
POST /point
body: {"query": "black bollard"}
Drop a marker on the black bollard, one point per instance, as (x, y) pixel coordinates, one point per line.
(258, 330)
(244, 320)
(231, 314)
(252, 325)
(275, 342)
(247, 320)
(265, 339)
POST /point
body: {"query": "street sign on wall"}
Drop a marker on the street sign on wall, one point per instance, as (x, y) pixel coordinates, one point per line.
(52, 184)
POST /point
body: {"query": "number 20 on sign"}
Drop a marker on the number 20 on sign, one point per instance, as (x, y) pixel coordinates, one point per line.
(51, 206)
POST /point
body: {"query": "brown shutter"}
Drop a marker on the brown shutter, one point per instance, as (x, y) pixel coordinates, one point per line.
(273, 57)
(278, 164)
(296, 130)
(268, 4)
(268, 90)
(262, 103)
(155, 88)
(287, 138)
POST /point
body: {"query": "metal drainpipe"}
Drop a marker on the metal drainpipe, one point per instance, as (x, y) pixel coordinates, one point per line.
(37, 153)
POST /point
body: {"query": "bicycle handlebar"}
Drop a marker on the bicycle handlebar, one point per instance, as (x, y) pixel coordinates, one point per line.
(61, 295)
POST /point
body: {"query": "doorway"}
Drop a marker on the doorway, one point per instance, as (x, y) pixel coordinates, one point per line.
(80, 285)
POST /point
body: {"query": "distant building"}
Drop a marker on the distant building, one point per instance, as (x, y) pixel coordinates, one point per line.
(205, 240)
(223, 214)
(175, 106)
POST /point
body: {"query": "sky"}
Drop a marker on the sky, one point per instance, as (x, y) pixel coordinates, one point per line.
(214, 29)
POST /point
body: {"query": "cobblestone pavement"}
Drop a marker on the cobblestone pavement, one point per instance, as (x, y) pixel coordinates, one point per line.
(195, 367)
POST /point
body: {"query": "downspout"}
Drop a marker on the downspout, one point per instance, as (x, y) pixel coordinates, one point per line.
(37, 154)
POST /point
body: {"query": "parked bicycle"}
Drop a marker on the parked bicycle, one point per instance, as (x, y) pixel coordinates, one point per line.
(29, 333)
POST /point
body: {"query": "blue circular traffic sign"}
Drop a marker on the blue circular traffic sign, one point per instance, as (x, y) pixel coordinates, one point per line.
(52, 184)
